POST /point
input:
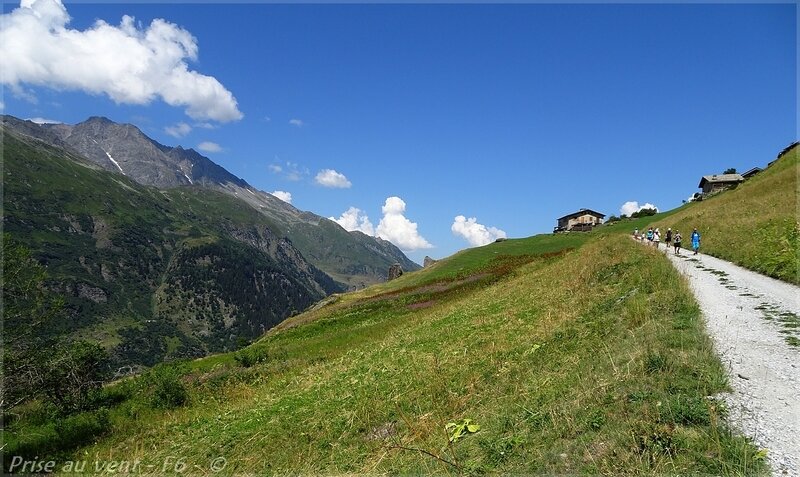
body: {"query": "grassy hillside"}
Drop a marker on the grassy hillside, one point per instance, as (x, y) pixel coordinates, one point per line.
(755, 225)
(555, 354)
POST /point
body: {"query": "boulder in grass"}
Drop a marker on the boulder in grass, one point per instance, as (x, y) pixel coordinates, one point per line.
(395, 271)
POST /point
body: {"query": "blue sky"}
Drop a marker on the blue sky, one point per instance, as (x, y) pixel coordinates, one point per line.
(510, 114)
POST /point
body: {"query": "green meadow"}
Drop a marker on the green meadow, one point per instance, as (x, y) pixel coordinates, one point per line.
(572, 353)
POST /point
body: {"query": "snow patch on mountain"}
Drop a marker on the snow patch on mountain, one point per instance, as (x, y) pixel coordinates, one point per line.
(115, 163)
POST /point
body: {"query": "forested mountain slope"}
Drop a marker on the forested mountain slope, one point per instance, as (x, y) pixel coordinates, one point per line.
(152, 274)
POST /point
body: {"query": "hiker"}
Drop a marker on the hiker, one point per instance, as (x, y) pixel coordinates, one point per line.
(657, 238)
(650, 235)
(695, 240)
(668, 239)
(678, 239)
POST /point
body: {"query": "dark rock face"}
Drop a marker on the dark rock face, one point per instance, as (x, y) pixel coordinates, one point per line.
(395, 271)
(89, 292)
(428, 262)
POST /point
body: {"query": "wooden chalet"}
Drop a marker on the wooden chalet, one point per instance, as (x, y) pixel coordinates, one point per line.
(582, 221)
(751, 173)
(784, 152)
(716, 183)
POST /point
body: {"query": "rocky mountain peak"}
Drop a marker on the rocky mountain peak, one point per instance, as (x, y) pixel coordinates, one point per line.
(349, 257)
(99, 119)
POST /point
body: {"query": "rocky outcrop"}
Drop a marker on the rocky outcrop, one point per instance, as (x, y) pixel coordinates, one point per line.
(89, 292)
(428, 261)
(395, 271)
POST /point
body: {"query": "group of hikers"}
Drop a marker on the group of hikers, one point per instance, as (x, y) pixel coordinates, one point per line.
(653, 237)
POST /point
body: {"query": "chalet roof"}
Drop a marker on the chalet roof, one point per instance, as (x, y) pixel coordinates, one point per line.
(721, 179)
(751, 172)
(783, 152)
(582, 212)
(787, 149)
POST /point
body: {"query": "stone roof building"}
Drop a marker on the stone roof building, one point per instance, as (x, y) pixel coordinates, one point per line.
(751, 172)
(581, 220)
(716, 183)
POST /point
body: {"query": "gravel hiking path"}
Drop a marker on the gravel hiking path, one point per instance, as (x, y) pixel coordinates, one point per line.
(754, 322)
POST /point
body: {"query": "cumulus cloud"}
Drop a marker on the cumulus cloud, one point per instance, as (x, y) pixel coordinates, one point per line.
(474, 233)
(44, 121)
(355, 219)
(208, 146)
(331, 178)
(283, 195)
(633, 206)
(179, 130)
(296, 122)
(396, 228)
(129, 63)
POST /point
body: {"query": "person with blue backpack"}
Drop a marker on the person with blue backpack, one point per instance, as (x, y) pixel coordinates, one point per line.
(695, 240)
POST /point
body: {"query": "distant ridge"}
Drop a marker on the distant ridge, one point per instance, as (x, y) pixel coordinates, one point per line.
(354, 259)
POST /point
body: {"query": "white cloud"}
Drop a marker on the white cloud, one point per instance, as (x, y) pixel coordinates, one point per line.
(355, 219)
(179, 130)
(474, 233)
(2, 106)
(331, 178)
(283, 195)
(293, 172)
(633, 206)
(290, 171)
(208, 146)
(44, 121)
(130, 63)
(396, 228)
(296, 122)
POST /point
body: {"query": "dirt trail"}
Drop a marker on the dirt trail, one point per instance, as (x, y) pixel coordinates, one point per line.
(754, 322)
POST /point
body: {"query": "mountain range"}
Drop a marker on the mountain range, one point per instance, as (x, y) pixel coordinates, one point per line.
(162, 253)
